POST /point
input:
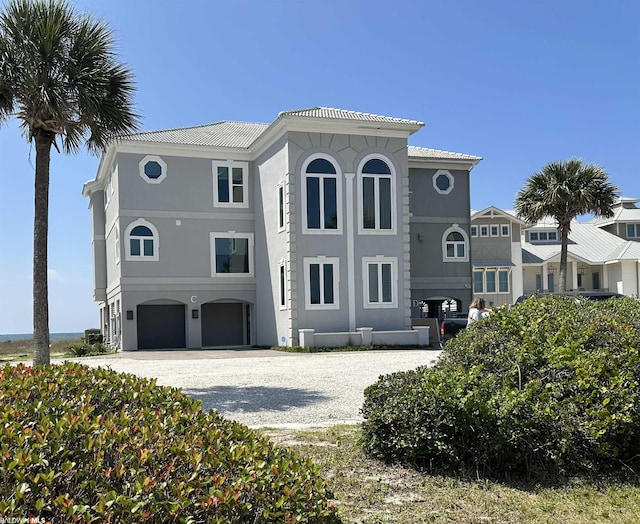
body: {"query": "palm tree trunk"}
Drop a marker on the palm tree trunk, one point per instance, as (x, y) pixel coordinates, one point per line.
(564, 245)
(41, 352)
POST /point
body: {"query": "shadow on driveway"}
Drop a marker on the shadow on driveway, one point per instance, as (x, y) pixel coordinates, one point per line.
(253, 399)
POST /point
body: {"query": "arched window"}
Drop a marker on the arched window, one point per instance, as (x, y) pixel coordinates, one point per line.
(322, 195)
(141, 241)
(455, 245)
(376, 204)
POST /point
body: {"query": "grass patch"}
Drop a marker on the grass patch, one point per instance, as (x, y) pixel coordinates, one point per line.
(368, 491)
(18, 349)
(301, 349)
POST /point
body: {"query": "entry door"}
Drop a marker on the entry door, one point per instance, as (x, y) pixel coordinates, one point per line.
(222, 324)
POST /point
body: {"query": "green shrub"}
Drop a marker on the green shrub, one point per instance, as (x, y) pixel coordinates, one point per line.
(85, 350)
(92, 445)
(549, 386)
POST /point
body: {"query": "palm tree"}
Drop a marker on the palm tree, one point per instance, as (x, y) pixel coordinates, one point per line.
(59, 76)
(564, 190)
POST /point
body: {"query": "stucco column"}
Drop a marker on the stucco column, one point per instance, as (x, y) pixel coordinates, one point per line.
(574, 275)
(351, 272)
(545, 278)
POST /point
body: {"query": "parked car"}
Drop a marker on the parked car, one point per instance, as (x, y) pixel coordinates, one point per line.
(589, 295)
(449, 327)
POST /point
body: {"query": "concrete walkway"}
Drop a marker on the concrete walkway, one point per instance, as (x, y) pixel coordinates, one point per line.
(265, 388)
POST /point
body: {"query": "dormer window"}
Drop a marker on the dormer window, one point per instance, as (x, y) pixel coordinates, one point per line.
(633, 230)
(543, 236)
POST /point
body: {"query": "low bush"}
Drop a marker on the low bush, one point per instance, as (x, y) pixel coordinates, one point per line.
(92, 445)
(550, 386)
(86, 350)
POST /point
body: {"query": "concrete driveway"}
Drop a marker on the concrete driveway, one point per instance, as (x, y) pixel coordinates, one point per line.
(265, 388)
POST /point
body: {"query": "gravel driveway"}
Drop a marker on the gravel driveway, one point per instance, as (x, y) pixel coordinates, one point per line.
(270, 388)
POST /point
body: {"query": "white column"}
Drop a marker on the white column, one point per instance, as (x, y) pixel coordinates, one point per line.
(351, 272)
(574, 275)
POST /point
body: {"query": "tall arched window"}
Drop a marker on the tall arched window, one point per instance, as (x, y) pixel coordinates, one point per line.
(141, 241)
(377, 196)
(455, 245)
(322, 195)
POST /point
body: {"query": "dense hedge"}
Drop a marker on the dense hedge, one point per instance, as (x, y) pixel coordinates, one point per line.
(92, 445)
(549, 386)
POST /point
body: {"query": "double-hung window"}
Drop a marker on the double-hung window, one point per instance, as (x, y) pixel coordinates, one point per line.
(377, 196)
(231, 254)
(321, 196)
(230, 184)
(322, 279)
(380, 282)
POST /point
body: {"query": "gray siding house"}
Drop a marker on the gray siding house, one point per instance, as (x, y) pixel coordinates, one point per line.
(511, 257)
(321, 228)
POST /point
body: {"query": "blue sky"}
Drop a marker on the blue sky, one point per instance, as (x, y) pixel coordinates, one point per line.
(518, 83)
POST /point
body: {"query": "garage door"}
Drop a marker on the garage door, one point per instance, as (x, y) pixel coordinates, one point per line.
(222, 324)
(161, 326)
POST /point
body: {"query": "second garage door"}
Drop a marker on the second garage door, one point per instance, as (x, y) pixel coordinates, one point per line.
(222, 324)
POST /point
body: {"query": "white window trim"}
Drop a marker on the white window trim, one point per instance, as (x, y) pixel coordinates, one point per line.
(502, 233)
(484, 231)
(394, 204)
(455, 229)
(127, 246)
(338, 176)
(335, 261)
(497, 271)
(282, 290)
(230, 164)
(446, 173)
(497, 228)
(473, 281)
(152, 158)
(474, 231)
(281, 200)
(231, 234)
(366, 261)
(117, 235)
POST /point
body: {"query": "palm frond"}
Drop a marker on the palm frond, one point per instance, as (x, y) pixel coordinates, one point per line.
(62, 75)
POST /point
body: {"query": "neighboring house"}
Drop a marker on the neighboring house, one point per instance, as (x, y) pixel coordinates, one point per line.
(496, 254)
(603, 254)
(321, 228)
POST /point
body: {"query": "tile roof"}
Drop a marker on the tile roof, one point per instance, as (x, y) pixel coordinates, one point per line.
(343, 114)
(218, 134)
(437, 154)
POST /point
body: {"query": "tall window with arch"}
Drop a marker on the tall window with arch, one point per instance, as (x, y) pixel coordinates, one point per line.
(322, 195)
(377, 209)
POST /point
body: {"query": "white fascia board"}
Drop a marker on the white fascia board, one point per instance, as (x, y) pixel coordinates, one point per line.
(496, 213)
(441, 163)
(183, 150)
(286, 123)
(97, 184)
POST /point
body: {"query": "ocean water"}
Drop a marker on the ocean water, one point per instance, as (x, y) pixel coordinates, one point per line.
(27, 336)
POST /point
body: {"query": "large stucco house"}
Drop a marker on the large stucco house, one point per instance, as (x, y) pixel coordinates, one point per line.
(511, 258)
(323, 227)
